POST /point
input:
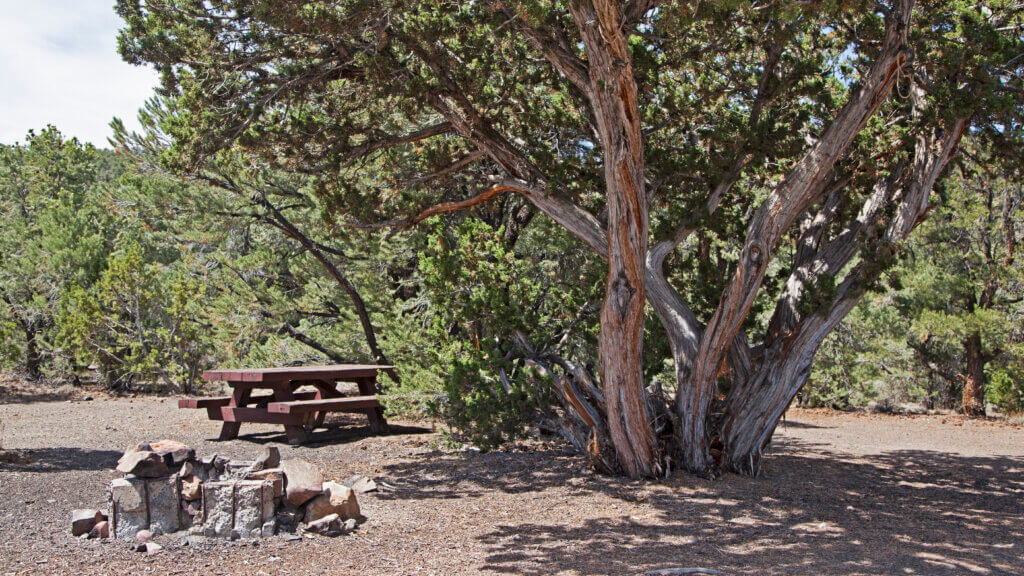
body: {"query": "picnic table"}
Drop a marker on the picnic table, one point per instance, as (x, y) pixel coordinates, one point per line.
(299, 411)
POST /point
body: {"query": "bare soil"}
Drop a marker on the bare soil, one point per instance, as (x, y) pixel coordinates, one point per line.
(841, 494)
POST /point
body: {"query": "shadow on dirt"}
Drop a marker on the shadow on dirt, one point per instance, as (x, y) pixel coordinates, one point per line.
(63, 460)
(339, 429)
(812, 512)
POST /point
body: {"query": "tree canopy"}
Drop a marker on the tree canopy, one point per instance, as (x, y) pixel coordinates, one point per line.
(747, 169)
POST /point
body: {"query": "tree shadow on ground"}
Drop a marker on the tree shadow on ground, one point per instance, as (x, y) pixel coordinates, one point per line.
(64, 459)
(812, 512)
(19, 395)
(339, 429)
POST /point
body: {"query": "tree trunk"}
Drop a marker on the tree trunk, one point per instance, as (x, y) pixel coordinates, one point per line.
(613, 93)
(756, 404)
(33, 358)
(974, 380)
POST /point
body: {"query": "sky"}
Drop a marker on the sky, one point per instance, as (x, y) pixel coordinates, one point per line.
(59, 65)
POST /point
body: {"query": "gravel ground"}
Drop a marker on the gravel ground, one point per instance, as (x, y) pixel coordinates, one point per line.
(841, 494)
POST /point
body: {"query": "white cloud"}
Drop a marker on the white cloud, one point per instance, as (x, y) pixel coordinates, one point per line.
(59, 65)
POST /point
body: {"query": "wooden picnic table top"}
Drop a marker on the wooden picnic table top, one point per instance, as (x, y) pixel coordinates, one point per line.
(298, 373)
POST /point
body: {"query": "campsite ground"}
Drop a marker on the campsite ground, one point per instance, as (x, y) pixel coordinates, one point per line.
(842, 494)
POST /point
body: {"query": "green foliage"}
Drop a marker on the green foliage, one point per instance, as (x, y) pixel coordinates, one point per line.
(866, 359)
(482, 297)
(138, 323)
(959, 277)
(56, 232)
(1005, 388)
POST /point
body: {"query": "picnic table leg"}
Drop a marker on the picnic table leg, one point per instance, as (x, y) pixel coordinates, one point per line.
(239, 397)
(324, 389)
(296, 434)
(368, 387)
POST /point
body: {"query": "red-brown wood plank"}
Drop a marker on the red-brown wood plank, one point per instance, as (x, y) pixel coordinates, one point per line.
(203, 402)
(260, 415)
(296, 373)
(225, 400)
(351, 403)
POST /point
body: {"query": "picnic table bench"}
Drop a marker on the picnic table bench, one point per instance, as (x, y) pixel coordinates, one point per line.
(299, 411)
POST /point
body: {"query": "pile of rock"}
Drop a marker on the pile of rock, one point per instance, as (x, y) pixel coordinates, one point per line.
(166, 488)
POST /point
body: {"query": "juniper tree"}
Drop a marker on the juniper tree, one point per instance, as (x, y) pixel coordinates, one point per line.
(747, 169)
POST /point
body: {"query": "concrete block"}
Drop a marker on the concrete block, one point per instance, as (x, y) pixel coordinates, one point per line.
(128, 507)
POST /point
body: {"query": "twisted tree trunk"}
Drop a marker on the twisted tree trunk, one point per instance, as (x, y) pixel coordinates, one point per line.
(613, 94)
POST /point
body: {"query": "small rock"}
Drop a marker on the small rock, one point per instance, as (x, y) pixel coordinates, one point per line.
(335, 499)
(361, 484)
(192, 508)
(292, 537)
(100, 530)
(152, 548)
(187, 469)
(87, 398)
(273, 475)
(83, 520)
(288, 515)
(303, 481)
(143, 536)
(330, 525)
(271, 458)
(191, 488)
(142, 463)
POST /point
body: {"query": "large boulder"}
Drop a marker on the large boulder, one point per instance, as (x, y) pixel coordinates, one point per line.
(335, 499)
(303, 481)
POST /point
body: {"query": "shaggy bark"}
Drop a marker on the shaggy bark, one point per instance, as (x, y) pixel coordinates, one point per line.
(754, 407)
(802, 187)
(614, 99)
(974, 379)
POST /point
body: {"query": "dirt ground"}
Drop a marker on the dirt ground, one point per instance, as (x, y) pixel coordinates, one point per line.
(841, 494)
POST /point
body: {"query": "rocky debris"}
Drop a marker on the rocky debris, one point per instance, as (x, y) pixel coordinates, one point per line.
(84, 520)
(331, 525)
(361, 484)
(167, 488)
(335, 499)
(142, 464)
(304, 481)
